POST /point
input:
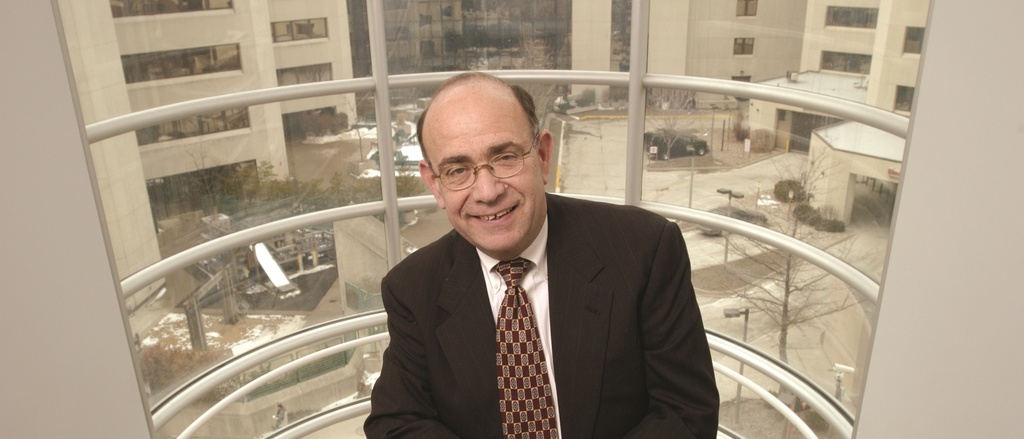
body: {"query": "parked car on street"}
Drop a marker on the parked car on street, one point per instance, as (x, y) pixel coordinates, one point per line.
(407, 156)
(738, 213)
(682, 144)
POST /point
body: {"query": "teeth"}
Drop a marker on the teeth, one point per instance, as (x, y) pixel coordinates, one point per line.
(496, 216)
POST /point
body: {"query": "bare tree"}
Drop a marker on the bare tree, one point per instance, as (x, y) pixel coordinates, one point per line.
(665, 115)
(789, 290)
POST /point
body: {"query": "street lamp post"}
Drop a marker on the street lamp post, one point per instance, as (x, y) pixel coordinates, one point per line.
(732, 313)
(711, 144)
(729, 193)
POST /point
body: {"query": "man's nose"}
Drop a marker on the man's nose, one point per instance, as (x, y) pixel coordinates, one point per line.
(487, 187)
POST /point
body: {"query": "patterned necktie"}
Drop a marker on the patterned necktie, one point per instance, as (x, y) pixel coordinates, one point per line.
(523, 385)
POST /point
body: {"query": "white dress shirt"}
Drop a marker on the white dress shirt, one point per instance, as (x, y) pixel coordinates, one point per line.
(535, 282)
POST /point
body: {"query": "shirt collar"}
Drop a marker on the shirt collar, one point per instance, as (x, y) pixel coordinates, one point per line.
(535, 253)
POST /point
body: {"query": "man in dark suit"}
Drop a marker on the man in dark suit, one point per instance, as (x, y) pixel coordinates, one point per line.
(622, 347)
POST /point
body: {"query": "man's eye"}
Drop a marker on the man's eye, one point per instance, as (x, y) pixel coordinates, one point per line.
(456, 171)
(505, 158)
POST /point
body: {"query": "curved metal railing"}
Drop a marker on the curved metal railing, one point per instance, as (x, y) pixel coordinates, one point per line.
(872, 116)
(830, 409)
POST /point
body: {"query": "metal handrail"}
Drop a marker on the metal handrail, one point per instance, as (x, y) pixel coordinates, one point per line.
(274, 374)
(824, 403)
(766, 396)
(872, 116)
(191, 391)
(830, 409)
(833, 265)
(163, 268)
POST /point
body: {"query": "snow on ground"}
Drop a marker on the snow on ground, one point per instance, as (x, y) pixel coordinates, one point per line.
(249, 332)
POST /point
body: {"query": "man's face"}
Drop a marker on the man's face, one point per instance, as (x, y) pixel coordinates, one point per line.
(469, 124)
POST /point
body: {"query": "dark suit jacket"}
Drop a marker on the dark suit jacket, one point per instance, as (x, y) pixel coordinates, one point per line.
(631, 357)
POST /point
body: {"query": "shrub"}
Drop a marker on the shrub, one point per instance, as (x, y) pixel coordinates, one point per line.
(740, 130)
(761, 141)
(163, 366)
(784, 187)
(805, 213)
(830, 225)
(587, 97)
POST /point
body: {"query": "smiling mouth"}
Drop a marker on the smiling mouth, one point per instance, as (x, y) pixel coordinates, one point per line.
(497, 215)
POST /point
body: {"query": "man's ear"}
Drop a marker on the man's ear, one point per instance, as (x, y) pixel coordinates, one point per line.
(432, 183)
(544, 145)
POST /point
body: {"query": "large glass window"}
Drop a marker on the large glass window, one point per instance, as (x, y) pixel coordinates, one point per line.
(904, 98)
(846, 62)
(128, 8)
(913, 40)
(743, 46)
(746, 8)
(295, 30)
(304, 74)
(851, 17)
(177, 63)
(769, 165)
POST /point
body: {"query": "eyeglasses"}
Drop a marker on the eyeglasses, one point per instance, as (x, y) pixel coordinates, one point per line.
(504, 165)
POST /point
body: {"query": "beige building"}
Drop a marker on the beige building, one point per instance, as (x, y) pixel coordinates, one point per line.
(156, 55)
(863, 51)
(141, 54)
(854, 159)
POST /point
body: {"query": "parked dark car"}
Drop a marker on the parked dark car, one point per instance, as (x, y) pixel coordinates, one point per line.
(738, 213)
(683, 145)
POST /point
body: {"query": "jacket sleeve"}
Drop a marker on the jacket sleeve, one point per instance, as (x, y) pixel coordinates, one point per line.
(401, 404)
(680, 379)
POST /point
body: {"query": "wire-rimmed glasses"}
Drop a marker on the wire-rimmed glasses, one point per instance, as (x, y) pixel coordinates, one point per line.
(505, 165)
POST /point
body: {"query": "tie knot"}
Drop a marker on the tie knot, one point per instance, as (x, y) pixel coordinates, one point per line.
(512, 271)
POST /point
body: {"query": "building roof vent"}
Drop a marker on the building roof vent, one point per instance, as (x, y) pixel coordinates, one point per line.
(792, 76)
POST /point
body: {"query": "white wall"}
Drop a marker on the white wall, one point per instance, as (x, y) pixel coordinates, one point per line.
(67, 370)
(948, 349)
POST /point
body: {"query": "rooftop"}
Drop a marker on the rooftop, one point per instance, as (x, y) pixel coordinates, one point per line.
(839, 85)
(861, 139)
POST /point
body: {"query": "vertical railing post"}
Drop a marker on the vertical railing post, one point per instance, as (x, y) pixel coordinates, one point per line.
(637, 101)
(385, 146)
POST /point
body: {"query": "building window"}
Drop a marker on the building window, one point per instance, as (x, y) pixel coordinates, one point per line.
(904, 98)
(177, 63)
(846, 62)
(299, 29)
(304, 74)
(209, 123)
(426, 19)
(851, 17)
(914, 39)
(746, 8)
(133, 8)
(743, 46)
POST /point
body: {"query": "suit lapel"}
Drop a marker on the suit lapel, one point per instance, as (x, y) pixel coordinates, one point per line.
(580, 311)
(467, 335)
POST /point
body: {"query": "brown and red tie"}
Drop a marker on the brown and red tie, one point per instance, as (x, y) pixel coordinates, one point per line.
(525, 399)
